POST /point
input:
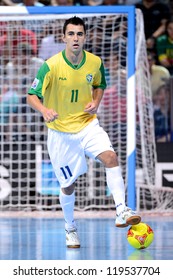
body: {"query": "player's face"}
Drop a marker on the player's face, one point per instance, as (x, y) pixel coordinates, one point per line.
(74, 38)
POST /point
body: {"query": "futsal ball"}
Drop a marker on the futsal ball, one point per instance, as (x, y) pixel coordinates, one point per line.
(140, 236)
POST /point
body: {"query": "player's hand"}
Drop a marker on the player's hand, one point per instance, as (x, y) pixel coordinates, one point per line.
(91, 108)
(50, 115)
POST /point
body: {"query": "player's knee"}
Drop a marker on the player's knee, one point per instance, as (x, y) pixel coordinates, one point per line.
(68, 190)
(109, 159)
(112, 160)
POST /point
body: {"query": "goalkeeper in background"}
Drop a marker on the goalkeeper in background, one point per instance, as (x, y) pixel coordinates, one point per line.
(67, 92)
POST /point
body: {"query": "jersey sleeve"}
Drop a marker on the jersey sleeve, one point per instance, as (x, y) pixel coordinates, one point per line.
(99, 80)
(41, 81)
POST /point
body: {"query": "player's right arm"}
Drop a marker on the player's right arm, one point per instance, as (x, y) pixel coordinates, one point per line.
(49, 115)
(36, 93)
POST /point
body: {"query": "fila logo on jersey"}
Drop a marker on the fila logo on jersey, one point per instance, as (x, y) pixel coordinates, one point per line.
(89, 78)
(35, 83)
(63, 79)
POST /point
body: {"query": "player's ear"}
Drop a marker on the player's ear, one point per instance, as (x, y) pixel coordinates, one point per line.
(64, 39)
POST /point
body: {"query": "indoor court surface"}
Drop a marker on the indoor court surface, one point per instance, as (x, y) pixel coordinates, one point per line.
(28, 238)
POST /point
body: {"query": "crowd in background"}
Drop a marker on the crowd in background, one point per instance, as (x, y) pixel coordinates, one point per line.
(158, 24)
(66, 2)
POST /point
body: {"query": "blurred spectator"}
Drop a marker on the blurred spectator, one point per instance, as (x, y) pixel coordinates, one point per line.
(111, 63)
(7, 3)
(13, 34)
(21, 71)
(128, 2)
(50, 46)
(8, 108)
(79, 3)
(112, 112)
(24, 66)
(156, 15)
(94, 2)
(9, 101)
(45, 2)
(162, 114)
(61, 2)
(31, 3)
(159, 74)
(171, 6)
(110, 2)
(52, 43)
(164, 47)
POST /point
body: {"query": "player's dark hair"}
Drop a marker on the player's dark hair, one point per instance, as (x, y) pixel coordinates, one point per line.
(75, 21)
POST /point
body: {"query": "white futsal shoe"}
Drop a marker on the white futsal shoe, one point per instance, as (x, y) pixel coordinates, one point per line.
(127, 217)
(72, 239)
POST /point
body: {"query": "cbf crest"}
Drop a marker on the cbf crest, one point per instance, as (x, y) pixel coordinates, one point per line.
(89, 78)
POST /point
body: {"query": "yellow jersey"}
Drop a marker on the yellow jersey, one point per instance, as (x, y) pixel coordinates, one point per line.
(67, 89)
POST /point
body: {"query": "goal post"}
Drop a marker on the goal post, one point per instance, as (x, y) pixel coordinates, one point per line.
(118, 113)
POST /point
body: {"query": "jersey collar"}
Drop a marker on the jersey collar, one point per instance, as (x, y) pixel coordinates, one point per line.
(72, 65)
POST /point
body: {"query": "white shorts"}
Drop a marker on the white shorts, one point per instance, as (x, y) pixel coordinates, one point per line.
(68, 151)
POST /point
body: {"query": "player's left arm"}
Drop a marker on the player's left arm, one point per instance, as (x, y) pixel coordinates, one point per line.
(92, 107)
(98, 89)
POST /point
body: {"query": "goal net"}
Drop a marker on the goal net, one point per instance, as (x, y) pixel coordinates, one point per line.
(27, 181)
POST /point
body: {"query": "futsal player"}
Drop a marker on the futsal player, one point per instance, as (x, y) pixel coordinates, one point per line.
(67, 92)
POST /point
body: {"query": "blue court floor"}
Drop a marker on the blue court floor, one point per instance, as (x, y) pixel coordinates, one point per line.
(44, 239)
